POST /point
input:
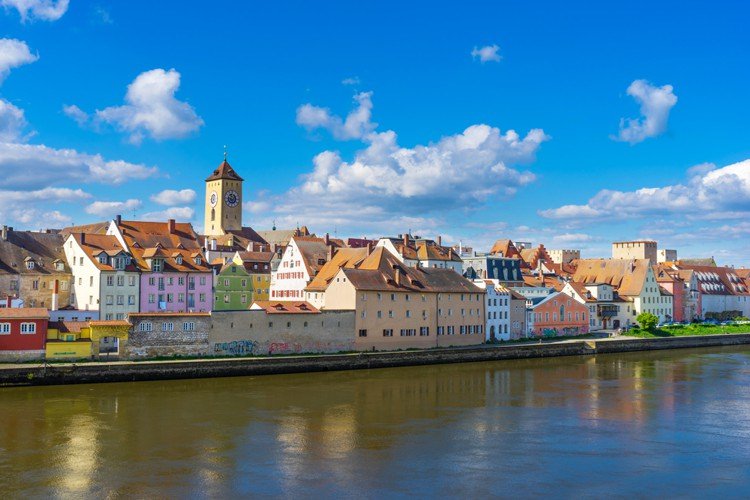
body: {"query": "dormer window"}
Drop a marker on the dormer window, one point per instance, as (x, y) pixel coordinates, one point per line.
(178, 259)
(103, 258)
(30, 264)
(60, 266)
(198, 260)
(157, 265)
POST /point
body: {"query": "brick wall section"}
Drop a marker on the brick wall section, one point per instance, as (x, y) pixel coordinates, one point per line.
(160, 343)
(259, 333)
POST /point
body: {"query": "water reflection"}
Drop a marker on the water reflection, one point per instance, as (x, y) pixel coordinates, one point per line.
(670, 421)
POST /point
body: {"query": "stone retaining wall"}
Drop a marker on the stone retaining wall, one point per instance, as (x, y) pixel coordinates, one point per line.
(163, 370)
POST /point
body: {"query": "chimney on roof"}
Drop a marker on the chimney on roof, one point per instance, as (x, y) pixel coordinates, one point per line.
(327, 239)
(5, 233)
(440, 240)
(397, 274)
(370, 246)
(118, 219)
(53, 306)
(83, 238)
(171, 226)
(406, 239)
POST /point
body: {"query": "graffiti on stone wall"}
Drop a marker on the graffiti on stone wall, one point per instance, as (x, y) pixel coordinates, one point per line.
(284, 348)
(236, 347)
(568, 331)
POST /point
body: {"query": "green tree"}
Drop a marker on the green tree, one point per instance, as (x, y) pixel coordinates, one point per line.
(647, 321)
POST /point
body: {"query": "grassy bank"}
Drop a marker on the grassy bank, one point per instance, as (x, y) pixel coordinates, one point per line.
(688, 330)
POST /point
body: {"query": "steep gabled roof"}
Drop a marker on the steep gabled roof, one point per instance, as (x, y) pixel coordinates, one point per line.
(44, 249)
(314, 252)
(284, 307)
(344, 257)
(427, 251)
(532, 256)
(505, 248)
(94, 244)
(23, 312)
(627, 276)
(715, 280)
(383, 271)
(224, 171)
(149, 234)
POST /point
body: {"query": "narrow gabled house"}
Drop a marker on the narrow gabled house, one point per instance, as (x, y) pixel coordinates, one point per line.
(105, 278)
(303, 257)
(242, 280)
(348, 258)
(557, 315)
(606, 309)
(175, 275)
(416, 251)
(33, 270)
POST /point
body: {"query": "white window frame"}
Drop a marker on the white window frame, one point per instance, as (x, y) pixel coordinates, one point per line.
(28, 328)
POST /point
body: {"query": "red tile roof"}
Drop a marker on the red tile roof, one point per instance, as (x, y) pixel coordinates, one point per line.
(284, 307)
(23, 313)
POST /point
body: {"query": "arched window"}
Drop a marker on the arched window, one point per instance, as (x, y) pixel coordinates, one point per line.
(213, 214)
(562, 313)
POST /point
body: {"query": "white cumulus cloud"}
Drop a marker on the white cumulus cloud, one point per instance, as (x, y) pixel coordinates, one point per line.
(386, 182)
(709, 193)
(45, 10)
(356, 125)
(112, 208)
(14, 53)
(151, 109)
(488, 53)
(656, 103)
(76, 114)
(29, 166)
(12, 122)
(171, 197)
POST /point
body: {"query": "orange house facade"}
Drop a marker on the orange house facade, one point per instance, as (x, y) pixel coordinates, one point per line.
(558, 315)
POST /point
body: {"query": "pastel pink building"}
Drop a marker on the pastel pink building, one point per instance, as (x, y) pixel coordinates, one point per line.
(175, 276)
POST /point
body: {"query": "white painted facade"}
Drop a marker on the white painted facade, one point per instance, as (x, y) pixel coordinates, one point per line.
(652, 300)
(497, 307)
(289, 280)
(114, 294)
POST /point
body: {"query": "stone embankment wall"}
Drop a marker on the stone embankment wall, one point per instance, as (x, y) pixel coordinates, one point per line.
(163, 370)
(238, 333)
(179, 341)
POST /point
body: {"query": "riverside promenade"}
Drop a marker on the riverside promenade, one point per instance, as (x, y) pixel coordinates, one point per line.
(131, 371)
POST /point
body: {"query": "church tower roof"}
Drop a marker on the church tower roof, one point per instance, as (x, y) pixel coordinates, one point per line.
(224, 171)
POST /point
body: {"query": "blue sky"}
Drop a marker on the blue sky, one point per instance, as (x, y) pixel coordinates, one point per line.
(377, 117)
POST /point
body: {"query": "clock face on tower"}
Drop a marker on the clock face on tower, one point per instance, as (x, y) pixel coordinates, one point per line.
(214, 199)
(231, 198)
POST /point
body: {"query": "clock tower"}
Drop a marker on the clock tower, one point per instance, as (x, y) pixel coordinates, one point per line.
(223, 210)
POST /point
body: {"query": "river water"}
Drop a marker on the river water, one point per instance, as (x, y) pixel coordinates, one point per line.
(646, 424)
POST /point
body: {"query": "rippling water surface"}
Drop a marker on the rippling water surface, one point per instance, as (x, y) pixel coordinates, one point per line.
(646, 424)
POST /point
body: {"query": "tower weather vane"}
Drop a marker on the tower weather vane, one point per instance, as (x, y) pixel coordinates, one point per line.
(225, 152)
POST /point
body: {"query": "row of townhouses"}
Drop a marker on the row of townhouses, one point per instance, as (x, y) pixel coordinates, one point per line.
(141, 288)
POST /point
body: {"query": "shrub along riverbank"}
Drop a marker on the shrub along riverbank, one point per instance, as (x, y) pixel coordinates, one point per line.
(687, 330)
